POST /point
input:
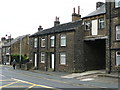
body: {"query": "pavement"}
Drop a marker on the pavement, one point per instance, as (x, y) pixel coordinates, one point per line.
(96, 73)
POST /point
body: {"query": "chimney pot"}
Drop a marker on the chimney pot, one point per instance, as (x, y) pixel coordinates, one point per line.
(40, 28)
(99, 4)
(56, 22)
(3, 39)
(74, 10)
(75, 16)
(78, 10)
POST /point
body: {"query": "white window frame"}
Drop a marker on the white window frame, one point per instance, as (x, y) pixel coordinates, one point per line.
(63, 40)
(35, 42)
(117, 32)
(52, 41)
(42, 42)
(63, 58)
(42, 57)
(87, 24)
(117, 3)
(117, 60)
(101, 23)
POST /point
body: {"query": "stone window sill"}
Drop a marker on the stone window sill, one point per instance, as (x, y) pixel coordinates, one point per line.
(117, 41)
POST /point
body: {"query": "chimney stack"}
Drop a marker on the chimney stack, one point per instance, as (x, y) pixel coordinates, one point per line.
(3, 39)
(56, 22)
(98, 5)
(76, 16)
(40, 28)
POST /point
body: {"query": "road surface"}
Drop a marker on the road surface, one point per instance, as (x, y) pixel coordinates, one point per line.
(27, 80)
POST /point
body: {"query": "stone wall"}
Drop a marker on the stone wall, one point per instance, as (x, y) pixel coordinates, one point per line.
(113, 19)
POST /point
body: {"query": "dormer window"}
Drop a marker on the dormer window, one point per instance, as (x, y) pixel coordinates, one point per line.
(117, 3)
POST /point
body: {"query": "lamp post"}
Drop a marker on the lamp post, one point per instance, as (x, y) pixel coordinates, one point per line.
(20, 51)
(9, 40)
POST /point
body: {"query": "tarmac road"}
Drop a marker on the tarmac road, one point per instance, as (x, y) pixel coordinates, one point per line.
(24, 80)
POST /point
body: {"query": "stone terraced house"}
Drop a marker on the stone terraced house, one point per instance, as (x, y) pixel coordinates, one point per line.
(95, 38)
(90, 43)
(19, 45)
(113, 28)
(59, 48)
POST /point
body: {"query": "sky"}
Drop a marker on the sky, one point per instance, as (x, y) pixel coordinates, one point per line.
(21, 17)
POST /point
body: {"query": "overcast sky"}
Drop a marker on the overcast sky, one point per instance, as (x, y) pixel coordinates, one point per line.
(20, 17)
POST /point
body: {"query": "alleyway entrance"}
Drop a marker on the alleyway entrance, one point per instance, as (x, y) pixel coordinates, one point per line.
(95, 53)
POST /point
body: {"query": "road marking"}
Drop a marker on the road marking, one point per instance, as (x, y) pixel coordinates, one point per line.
(33, 84)
(7, 80)
(8, 84)
(87, 79)
(6, 68)
(20, 86)
(59, 81)
(30, 87)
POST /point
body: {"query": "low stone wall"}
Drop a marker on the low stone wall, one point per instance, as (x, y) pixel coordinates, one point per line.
(26, 66)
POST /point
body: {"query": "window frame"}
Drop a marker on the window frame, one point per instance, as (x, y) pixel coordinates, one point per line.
(35, 42)
(63, 39)
(42, 60)
(101, 21)
(116, 4)
(43, 42)
(62, 61)
(52, 41)
(117, 31)
(88, 23)
(116, 58)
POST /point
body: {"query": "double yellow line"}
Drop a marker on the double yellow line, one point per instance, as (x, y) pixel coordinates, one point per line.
(33, 85)
(8, 84)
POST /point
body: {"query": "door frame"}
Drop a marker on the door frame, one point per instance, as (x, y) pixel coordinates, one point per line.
(52, 61)
(35, 60)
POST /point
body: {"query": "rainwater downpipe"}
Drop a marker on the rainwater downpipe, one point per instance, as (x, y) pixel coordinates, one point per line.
(109, 38)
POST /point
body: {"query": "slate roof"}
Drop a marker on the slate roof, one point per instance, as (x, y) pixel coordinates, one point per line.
(60, 28)
(14, 40)
(99, 11)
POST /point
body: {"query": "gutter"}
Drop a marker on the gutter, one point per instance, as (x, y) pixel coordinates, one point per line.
(93, 15)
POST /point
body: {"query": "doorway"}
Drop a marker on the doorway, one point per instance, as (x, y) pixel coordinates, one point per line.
(95, 54)
(52, 61)
(94, 27)
(35, 58)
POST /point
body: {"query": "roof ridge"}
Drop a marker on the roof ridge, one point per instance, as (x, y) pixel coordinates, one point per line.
(60, 28)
